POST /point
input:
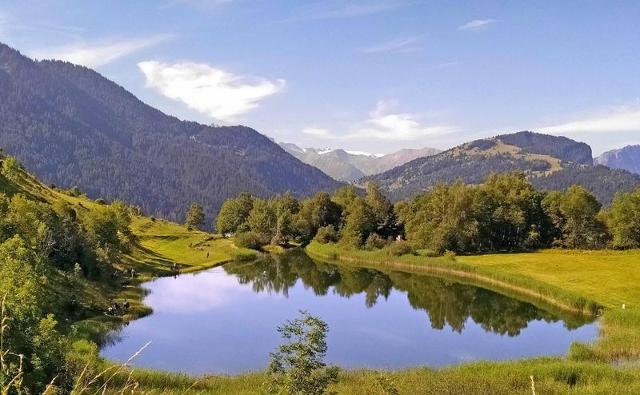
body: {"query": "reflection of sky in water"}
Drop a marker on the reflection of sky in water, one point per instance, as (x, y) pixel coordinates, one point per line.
(197, 293)
(210, 323)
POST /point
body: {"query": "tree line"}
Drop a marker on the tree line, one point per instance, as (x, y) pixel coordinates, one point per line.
(504, 213)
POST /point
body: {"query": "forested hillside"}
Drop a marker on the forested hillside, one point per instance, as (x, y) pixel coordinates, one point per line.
(71, 126)
(550, 162)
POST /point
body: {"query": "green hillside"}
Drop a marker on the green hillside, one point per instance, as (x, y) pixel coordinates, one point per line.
(72, 257)
(550, 162)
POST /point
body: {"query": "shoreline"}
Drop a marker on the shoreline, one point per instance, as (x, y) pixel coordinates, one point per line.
(441, 268)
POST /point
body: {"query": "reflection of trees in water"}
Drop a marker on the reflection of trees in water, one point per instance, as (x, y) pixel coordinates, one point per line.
(445, 302)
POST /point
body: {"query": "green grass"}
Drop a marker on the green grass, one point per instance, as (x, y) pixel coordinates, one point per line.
(609, 277)
(550, 376)
(161, 244)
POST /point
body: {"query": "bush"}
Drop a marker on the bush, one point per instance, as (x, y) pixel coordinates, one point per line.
(326, 234)
(249, 240)
(399, 248)
(297, 366)
(101, 201)
(450, 255)
(375, 242)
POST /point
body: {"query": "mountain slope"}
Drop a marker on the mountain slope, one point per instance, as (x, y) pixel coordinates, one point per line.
(349, 166)
(627, 158)
(71, 126)
(551, 162)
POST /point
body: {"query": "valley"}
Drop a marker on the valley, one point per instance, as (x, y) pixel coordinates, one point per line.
(169, 223)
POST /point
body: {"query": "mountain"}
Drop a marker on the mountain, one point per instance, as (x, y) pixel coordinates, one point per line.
(627, 158)
(551, 162)
(71, 126)
(349, 165)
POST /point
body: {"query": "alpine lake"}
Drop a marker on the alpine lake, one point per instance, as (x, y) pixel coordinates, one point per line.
(224, 320)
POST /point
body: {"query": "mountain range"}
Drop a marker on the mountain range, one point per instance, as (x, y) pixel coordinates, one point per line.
(348, 166)
(72, 126)
(551, 162)
(627, 158)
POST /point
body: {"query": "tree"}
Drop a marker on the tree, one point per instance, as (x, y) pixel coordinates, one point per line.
(623, 220)
(195, 216)
(345, 195)
(576, 214)
(263, 220)
(298, 367)
(506, 210)
(314, 213)
(286, 207)
(359, 223)
(386, 223)
(234, 214)
(443, 219)
(11, 168)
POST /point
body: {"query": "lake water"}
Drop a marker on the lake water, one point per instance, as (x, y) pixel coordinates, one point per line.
(224, 320)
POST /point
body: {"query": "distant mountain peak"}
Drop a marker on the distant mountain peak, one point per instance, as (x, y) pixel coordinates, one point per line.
(350, 165)
(626, 158)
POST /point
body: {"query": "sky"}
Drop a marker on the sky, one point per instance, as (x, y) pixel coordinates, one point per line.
(369, 75)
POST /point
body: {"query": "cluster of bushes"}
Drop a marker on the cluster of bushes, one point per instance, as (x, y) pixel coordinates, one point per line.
(39, 241)
(505, 213)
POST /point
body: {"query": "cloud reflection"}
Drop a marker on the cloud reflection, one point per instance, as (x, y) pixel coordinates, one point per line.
(199, 293)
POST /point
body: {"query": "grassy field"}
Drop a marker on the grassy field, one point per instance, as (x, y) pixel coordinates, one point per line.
(161, 244)
(609, 277)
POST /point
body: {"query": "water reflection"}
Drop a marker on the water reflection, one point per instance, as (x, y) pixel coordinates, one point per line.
(224, 320)
(446, 303)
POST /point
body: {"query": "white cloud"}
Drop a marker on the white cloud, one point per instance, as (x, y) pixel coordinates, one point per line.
(400, 45)
(339, 10)
(99, 54)
(477, 24)
(618, 119)
(317, 132)
(385, 125)
(208, 90)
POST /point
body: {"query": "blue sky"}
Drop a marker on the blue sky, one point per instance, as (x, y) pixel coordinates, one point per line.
(372, 76)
